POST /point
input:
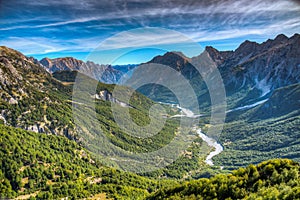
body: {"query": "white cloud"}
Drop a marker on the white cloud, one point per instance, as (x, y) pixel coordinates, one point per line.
(40, 45)
(287, 27)
(202, 21)
(143, 37)
(32, 45)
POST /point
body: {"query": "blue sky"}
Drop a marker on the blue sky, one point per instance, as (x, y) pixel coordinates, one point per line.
(60, 28)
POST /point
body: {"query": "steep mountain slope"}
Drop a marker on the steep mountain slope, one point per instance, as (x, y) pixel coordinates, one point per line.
(103, 73)
(173, 62)
(265, 66)
(283, 101)
(257, 69)
(31, 98)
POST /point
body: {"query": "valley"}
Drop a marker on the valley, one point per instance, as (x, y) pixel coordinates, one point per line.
(60, 136)
(150, 100)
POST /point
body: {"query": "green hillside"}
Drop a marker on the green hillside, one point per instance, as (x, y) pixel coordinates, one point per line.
(270, 130)
(33, 99)
(40, 166)
(51, 167)
(273, 179)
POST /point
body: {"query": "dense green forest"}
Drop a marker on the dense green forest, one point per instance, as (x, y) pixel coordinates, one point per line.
(51, 167)
(251, 142)
(40, 166)
(270, 130)
(273, 179)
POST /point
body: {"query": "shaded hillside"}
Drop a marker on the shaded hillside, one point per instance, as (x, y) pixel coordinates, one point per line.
(283, 101)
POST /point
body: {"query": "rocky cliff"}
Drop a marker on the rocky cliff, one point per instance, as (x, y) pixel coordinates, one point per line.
(103, 73)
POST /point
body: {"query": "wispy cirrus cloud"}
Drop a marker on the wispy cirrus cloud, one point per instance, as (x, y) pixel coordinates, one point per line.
(267, 30)
(40, 45)
(62, 25)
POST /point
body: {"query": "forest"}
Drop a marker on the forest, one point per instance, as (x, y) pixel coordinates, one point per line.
(41, 166)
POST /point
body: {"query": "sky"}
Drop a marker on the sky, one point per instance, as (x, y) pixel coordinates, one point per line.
(60, 28)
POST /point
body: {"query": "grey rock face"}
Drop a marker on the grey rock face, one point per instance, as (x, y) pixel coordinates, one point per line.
(267, 66)
(103, 73)
(107, 96)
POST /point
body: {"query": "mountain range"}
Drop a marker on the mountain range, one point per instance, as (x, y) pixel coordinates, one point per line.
(104, 73)
(253, 69)
(262, 88)
(258, 68)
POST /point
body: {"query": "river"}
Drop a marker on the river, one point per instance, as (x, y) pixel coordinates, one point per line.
(218, 148)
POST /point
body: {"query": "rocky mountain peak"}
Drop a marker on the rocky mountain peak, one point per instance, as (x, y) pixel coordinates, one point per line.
(176, 60)
(15, 61)
(211, 50)
(46, 62)
(281, 37)
(7, 52)
(169, 56)
(103, 73)
(218, 56)
(61, 64)
(246, 48)
(296, 36)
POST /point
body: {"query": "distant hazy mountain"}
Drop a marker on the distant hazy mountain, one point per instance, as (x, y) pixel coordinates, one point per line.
(103, 73)
(125, 68)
